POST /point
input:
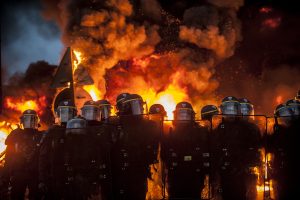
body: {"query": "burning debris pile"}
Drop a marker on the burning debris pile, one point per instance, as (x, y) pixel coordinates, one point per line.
(140, 47)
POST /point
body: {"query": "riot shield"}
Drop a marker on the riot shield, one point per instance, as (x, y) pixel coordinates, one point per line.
(282, 158)
(185, 155)
(240, 156)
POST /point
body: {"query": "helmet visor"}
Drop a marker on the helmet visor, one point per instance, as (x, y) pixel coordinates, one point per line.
(295, 108)
(91, 113)
(29, 121)
(247, 109)
(184, 114)
(136, 107)
(65, 113)
(105, 111)
(230, 108)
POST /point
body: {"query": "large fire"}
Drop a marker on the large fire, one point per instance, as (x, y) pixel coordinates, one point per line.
(17, 106)
(20, 105)
(169, 97)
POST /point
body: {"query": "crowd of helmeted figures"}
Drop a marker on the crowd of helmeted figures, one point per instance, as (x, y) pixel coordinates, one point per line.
(97, 155)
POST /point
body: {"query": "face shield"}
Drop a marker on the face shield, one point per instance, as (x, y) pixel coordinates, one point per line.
(90, 112)
(30, 121)
(65, 113)
(247, 109)
(295, 108)
(76, 126)
(134, 106)
(284, 116)
(230, 108)
(184, 114)
(105, 111)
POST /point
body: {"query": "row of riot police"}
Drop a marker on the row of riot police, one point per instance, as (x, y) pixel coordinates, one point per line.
(100, 156)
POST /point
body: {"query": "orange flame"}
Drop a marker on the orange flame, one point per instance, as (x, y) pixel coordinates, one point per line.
(5, 128)
(93, 91)
(77, 60)
(21, 105)
(279, 99)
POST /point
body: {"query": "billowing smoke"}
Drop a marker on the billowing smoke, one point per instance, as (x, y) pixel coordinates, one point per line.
(30, 90)
(139, 46)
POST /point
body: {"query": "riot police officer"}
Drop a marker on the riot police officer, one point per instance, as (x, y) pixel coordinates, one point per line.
(100, 132)
(134, 150)
(284, 144)
(185, 153)
(237, 150)
(157, 113)
(52, 168)
(21, 160)
(119, 102)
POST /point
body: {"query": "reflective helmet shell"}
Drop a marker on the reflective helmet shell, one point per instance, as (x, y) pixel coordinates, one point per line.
(184, 111)
(105, 109)
(90, 111)
(133, 105)
(208, 111)
(230, 106)
(120, 98)
(65, 111)
(29, 119)
(157, 109)
(294, 105)
(246, 107)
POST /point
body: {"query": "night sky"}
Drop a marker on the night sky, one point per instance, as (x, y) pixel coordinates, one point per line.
(26, 36)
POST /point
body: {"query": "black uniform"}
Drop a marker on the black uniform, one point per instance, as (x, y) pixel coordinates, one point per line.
(100, 174)
(186, 155)
(21, 162)
(238, 151)
(132, 153)
(52, 169)
(284, 144)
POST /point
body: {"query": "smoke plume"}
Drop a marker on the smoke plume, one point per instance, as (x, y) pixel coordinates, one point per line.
(138, 46)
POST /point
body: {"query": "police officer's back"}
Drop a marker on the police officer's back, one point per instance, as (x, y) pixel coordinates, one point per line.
(184, 152)
(52, 171)
(21, 160)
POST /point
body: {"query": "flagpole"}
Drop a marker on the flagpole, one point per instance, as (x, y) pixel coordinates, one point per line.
(72, 87)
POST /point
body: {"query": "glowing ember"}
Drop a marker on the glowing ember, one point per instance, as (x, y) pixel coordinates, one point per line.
(279, 99)
(265, 10)
(93, 91)
(272, 22)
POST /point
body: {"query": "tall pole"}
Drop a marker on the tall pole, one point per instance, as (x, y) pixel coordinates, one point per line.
(72, 85)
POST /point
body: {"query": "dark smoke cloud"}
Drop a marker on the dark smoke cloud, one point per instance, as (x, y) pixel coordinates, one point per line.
(34, 85)
(266, 65)
(26, 36)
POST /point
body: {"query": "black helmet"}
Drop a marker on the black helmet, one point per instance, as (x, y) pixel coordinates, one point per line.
(77, 126)
(208, 111)
(230, 106)
(133, 105)
(246, 107)
(294, 105)
(120, 99)
(283, 114)
(90, 111)
(157, 109)
(105, 109)
(65, 111)
(184, 111)
(29, 119)
(283, 111)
